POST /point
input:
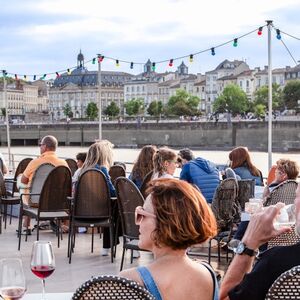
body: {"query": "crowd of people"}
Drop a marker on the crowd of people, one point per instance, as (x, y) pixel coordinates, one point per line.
(177, 215)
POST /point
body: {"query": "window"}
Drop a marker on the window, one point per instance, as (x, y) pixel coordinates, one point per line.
(247, 83)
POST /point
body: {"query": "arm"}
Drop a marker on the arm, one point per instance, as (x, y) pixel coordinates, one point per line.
(24, 179)
(259, 231)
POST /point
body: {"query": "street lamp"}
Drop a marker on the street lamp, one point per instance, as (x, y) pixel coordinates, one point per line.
(99, 97)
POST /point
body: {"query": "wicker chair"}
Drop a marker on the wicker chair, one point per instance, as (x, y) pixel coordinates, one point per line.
(246, 191)
(115, 172)
(119, 163)
(110, 287)
(52, 204)
(129, 197)
(92, 207)
(145, 182)
(286, 286)
(72, 165)
(284, 192)
(225, 208)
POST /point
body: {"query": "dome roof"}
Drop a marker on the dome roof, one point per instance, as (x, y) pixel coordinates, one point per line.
(80, 56)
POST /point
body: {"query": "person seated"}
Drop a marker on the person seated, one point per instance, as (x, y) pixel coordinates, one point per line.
(200, 172)
(4, 168)
(80, 159)
(165, 163)
(244, 280)
(241, 164)
(143, 165)
(174, 217)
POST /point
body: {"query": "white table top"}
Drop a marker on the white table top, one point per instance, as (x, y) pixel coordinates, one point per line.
(49, 296)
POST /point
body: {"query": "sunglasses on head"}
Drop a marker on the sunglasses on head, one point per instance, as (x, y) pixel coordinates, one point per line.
(140, 213)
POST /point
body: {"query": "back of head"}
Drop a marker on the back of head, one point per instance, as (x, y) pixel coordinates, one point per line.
(162, 155)
(183, 217)
(50, 141)
(81, 156)
(186, 154)
(290, 167)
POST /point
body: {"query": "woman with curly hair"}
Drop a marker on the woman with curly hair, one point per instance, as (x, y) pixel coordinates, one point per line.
(143, 165)
(165, 163)
(174, 217)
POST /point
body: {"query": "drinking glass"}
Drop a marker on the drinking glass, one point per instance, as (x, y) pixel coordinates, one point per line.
(42, 261)
(12, 279)
(286, 217)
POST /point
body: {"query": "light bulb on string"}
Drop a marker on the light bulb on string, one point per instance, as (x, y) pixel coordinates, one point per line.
(153, 67)
(131, 65)
(16, 76)
(171, 63)
(117, 63)
(44, 76)
(259, 32)
(278, 35)
(4, 73)
(25, 77)
(213, 53)
(235, 42)
(100, 58)
(34, 77)
(191, 58)
(57, 74)
(93, 60)
(69, 71)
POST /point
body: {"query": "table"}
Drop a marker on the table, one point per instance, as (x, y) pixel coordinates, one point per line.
(49, 296)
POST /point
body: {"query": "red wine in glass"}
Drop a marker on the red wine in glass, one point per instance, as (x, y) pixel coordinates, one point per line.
(42, 271)
(13, 292)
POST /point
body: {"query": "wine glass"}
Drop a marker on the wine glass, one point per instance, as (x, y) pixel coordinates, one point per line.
(286, 217)
(42, 261)
(12, 279)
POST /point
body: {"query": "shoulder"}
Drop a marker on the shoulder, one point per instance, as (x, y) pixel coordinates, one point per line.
(132, 274)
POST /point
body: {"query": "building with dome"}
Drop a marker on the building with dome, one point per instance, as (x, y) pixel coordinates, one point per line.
(80, 87)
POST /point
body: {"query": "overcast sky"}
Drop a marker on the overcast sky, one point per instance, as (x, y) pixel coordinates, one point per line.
(44, 36)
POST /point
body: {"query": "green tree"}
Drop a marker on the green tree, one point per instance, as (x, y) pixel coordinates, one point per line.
(182, 103)
(92, 110)
(233, 100)
(112, 109)
(261, 96)
(155, 108)
(134, 106)
(259, 110)
(3, 111)
(68, 111)
(291, 94)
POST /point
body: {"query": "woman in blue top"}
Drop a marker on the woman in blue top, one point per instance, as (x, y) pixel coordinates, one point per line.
(174, 216)
(242, 165)
(100, 157)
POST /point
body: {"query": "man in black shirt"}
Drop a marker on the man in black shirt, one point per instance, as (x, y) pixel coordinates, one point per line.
(242, 283)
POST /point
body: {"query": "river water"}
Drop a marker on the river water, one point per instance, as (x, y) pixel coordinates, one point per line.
(260, 159)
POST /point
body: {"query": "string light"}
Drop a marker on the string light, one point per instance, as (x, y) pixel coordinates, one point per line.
(4, 73)
(278, 35)
(34, 77)
(259, 32)
(16, 76)
(100, 58)
(171, 63)
(44, 76)
(131, 65)
(117, 63)
(213, 51)
(235, 42)
(57, 74)
(25, 77)
(153, 66)
(191, 58)
(93, 60)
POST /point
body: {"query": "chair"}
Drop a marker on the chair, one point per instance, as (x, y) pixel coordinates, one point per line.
(284, 192)
(92, 207)
(246, 191)
(109, 287)
(116, 171)
(226, 210)
(129, 197)
(286, 286)
(145, 182)
(120, 164)
(52, 204)
(6, 199)
(72, 165)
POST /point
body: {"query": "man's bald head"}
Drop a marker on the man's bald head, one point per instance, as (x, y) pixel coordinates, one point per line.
(50, 142)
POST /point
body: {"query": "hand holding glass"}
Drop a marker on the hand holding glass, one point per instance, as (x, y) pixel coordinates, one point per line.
(12, 279)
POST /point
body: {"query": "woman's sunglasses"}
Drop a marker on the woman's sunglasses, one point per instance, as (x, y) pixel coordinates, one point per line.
(140, 213)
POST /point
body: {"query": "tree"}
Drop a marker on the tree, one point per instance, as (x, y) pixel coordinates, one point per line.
(259, 110)
(262, 96)
(291, 94)
(233, 100)
(155, 108)
(3, 111)
(134, 106)
(182, 103)
(92, 110)
(112, 109)
(68, 111)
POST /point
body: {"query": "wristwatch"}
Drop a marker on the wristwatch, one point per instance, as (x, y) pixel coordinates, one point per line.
(243, 249)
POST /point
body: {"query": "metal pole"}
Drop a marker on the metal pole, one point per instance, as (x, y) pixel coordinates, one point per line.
(6, 120)
(270, 115)
(99, 97)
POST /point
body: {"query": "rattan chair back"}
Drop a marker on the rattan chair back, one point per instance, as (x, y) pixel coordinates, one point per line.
(37, 182)
(20, 169)
(72, 165)
(56, 188)
(145, 183)
(286, 286)
(285, 239)
(128, 197)
(116, 171)
(92, 198)
(284, 192)
(110, 287)
(246, 191)
(121, 164)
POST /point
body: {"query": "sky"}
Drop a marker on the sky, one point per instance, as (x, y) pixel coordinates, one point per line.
(45, 36)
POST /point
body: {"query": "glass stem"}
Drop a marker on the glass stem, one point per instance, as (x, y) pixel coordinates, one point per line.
(43, 292)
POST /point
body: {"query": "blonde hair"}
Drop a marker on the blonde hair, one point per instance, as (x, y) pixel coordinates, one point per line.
(99, 153)
(162, 155)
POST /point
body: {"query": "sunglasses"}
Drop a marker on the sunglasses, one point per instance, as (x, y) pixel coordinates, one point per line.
(140, 213)
(40, 144)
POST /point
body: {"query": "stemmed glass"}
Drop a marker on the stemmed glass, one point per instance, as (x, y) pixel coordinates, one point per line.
(12, 279)
(42, 261)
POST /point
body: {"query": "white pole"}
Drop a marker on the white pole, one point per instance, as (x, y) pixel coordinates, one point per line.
(99, 97)
(6, 120)
(270, 115)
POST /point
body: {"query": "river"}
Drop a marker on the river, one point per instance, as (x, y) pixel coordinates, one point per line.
(260, 159)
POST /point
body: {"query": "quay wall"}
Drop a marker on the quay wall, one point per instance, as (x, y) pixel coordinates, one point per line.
(200, 135)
